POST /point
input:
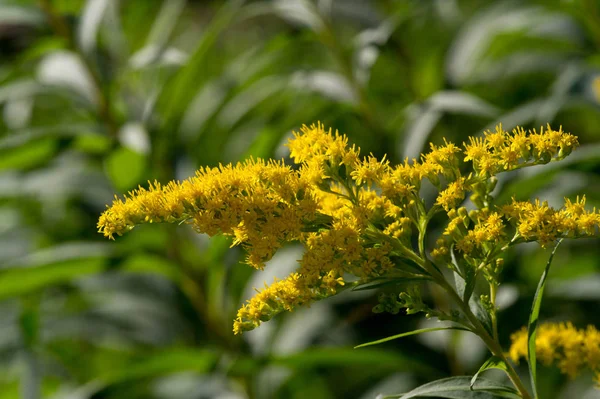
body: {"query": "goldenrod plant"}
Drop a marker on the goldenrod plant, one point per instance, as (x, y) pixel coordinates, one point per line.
(364, 225)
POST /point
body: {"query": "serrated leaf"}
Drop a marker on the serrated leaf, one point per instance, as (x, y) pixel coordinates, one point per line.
(406, 334)
(493, 362)
(533, 322)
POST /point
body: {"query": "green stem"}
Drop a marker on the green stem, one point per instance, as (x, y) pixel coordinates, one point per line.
(491, 342)
(493, 291)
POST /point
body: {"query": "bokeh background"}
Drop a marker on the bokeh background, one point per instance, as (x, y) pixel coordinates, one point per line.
(99, 96)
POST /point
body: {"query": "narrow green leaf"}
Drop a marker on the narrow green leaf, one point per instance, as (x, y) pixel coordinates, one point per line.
(152, 264)
(346, 357)
(64, 252)
(406, 334)
(168, 361)
(28, 156)
(464, 277)
(387, 282)
(15, 282)
(22, 137)
(533, 321)
(177, 92)
(91, 19)
(493, 362)
(460, 388)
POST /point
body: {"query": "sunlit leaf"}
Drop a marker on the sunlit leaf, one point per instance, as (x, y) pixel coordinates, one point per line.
(339, 357)
(406, 334)
(125, 168)
(459, 388)
(15, 282)
(532, 325)
(27, 156)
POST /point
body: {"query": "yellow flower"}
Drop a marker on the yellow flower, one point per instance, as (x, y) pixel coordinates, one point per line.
(281, 295)
(453, 195)
(261, 204)
(562, 344)
(443, 156)
(489, 229)
(495, 141)
(360, 219)
(314, 145)
(370, 170)
(501, 150)
(539, 222)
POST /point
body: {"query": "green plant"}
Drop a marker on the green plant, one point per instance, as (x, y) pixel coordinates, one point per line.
(364, 224)
(98, 96)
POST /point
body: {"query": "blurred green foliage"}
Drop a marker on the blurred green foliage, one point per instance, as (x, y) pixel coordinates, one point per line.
(99, 96)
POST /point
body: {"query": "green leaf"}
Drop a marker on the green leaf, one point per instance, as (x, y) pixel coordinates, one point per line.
(493, 362)
(161, 363)
(25, 136)
(15, 282)
(177, 93)
(67, 251)
(464, 280)
(481, 313)
(346, 357)
(125, 168)
(465, 285)
(28, 156)
(29, 321)
(406, 334)
(460, 388)
(146, 263)
(91, 19)
(371, 285)
(533, 321)
(424, 119)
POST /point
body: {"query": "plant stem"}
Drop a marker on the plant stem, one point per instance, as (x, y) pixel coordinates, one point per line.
(493, 290)
(491, 342)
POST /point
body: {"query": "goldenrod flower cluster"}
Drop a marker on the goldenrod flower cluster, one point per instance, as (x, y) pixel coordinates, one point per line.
(538, 222)
(500, 151)
(261, 204)
(572, 350)
(361, 219)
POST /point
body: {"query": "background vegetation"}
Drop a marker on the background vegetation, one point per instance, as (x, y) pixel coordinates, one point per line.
(99, 96)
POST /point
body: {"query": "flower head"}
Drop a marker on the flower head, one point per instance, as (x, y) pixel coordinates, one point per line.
(361, 219)
(571, 349)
